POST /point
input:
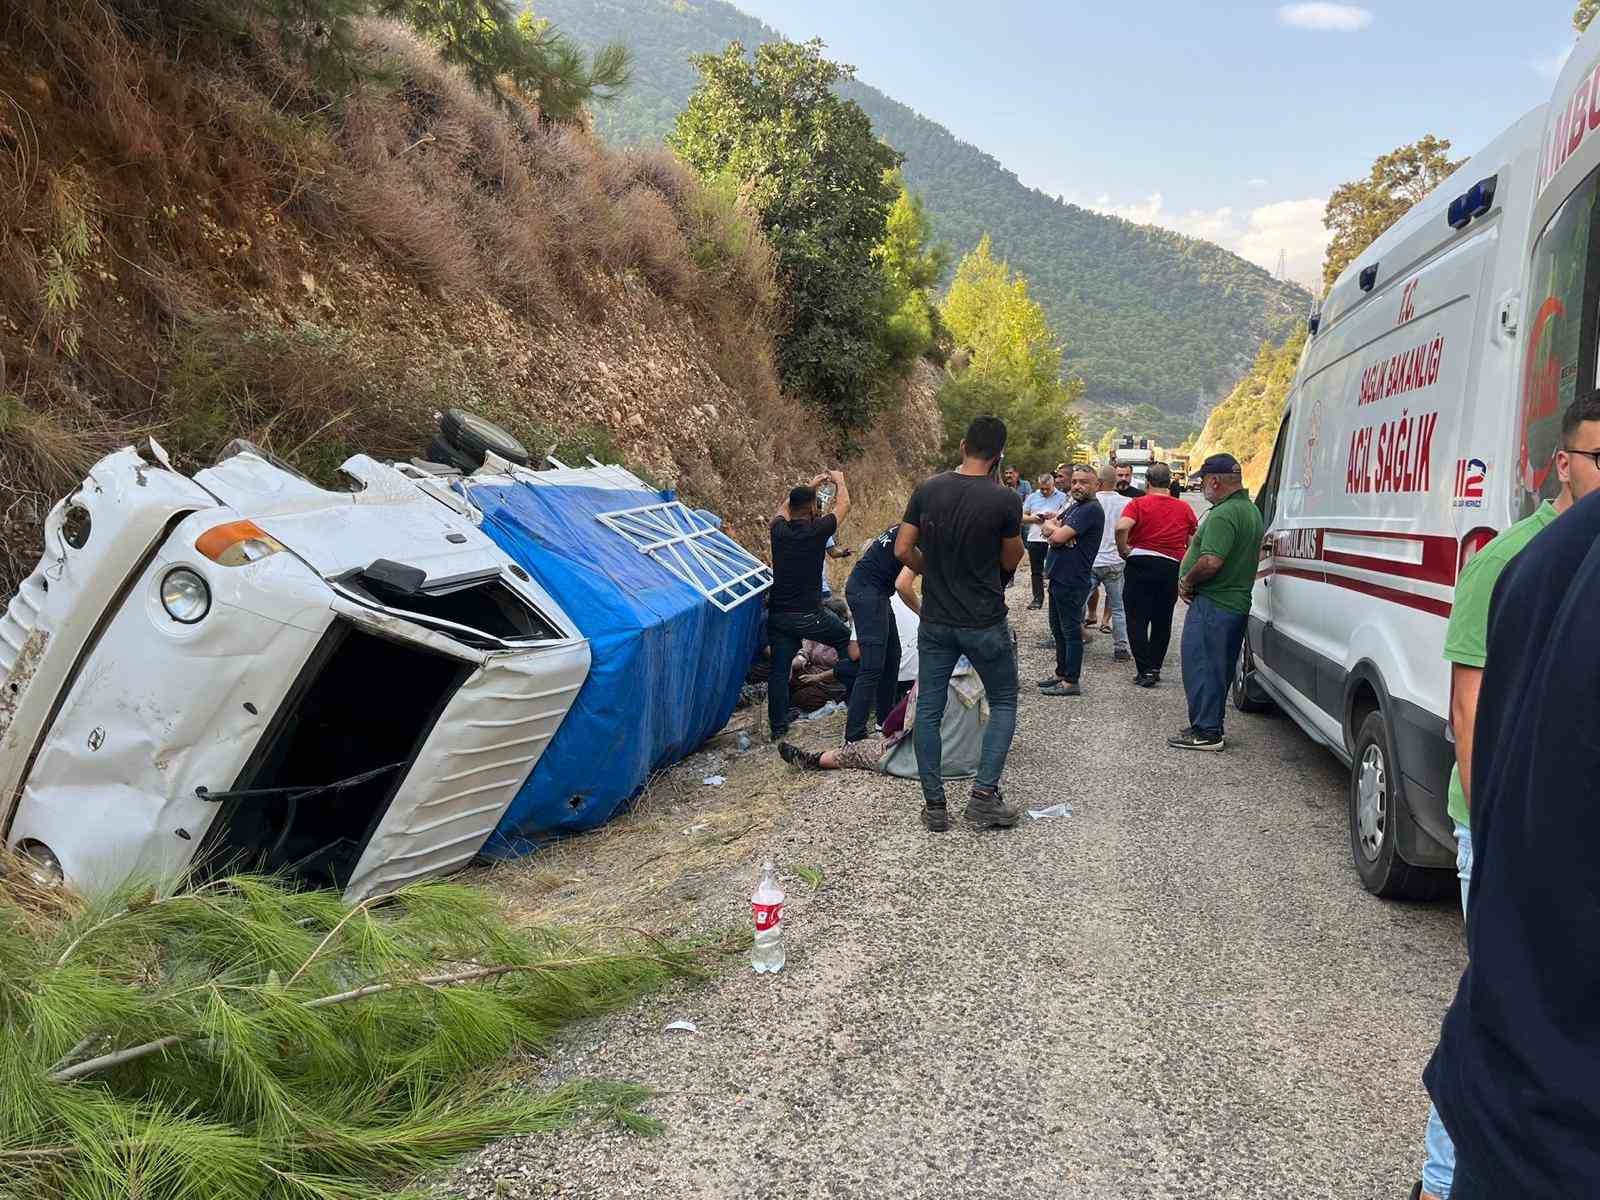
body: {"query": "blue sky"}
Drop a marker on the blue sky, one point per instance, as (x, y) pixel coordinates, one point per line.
(1227, 121)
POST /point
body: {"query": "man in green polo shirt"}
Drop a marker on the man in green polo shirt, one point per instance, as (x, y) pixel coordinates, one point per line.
(1466, 649)
(1215, 579)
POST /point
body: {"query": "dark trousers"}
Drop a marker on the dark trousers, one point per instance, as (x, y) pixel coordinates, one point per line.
(1149, 591)
(1036, 553)
(1212, 637)
(1066, 626)
(787, 630)
(879, 668)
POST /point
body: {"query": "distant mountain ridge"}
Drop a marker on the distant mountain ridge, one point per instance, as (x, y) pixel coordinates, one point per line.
(1147, 315)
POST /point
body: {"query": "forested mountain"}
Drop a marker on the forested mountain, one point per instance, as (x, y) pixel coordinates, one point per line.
(1147, 316)
(1246, 421)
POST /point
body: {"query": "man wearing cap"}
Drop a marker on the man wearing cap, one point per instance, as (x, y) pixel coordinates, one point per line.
(1216, 579)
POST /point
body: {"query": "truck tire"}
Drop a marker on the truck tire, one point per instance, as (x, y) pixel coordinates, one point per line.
(1376, 797)
(475, 437)
(441, 451)
(1248, 694)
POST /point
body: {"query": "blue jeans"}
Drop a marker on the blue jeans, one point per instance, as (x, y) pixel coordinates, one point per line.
(1066, 626)
(786, 630)
(1111, 579)
(1439, 1167)
(1212, 637)
(989, 650)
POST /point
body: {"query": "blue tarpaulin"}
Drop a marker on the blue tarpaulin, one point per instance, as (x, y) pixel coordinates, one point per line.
(666, 667)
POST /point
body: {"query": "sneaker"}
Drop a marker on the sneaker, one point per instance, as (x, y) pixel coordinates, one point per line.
(1046, 643)
(1147, 680)
(1193, 739)
(1154, 676)
(987, 809)
(1036, 605)
(1122, 656)
(1061, 688)
(936, 817)
(806, 760)
(1049, 681)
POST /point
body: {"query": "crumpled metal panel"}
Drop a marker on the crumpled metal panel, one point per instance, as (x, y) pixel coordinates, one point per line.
(55, 614)
(160, 709)
(483, 748)
(390, 517)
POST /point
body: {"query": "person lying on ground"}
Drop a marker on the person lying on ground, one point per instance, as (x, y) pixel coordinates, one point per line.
(862, 755)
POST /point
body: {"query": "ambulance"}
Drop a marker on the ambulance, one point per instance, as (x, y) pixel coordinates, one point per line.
(1424, 418)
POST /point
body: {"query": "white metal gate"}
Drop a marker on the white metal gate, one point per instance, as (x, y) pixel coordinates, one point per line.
(697, 552)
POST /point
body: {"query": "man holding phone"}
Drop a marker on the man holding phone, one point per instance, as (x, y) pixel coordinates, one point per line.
(794, 603)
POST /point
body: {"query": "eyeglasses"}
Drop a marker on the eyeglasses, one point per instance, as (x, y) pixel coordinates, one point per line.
(1592, 455)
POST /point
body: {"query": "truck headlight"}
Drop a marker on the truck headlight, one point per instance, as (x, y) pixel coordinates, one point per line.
(185, 596)
(237, 543)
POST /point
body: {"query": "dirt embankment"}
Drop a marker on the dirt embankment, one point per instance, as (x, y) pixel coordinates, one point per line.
(202, 240)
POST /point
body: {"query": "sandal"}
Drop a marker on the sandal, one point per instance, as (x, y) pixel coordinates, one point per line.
(1106, 628)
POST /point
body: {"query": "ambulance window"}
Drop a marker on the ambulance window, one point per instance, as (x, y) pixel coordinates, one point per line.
(1267, 497)
(1563, 333)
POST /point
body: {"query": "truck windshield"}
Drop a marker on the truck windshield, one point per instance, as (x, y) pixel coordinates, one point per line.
(1563, 324)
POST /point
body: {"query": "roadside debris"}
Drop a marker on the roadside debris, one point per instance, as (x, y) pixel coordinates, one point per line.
(681, 1026)
(1055, 810)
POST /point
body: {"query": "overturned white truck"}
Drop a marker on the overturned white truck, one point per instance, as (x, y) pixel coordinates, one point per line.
(242, 668)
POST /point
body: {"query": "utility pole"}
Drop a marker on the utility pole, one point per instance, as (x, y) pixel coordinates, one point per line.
(1282, 272)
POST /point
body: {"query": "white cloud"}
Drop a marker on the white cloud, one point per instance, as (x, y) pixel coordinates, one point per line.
(1255, 183)
(1550, 65)
(1340, 18)
(1291, 227)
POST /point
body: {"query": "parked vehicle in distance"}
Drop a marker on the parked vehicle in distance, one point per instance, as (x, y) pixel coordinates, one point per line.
(243, 669)
(1422, 420)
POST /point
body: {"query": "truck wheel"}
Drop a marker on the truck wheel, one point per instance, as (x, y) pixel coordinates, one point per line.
(476, 437)
(442, 452)
(1248, 694)
(1375, 799)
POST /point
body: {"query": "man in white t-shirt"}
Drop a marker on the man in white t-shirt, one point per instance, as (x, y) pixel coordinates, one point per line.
(1047, 500)
(1108, 564)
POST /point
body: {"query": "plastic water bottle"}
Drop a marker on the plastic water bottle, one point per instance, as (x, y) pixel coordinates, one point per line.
(766, 905)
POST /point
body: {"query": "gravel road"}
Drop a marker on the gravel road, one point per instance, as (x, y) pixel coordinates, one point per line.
(1181, 990)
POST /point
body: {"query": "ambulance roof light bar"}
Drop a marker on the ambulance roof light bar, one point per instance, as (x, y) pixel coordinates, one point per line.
(1472, 203)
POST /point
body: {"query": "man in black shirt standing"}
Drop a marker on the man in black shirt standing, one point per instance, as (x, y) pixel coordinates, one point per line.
(1516, 1076)
(962, 533)
(869, 592)
(794, 603)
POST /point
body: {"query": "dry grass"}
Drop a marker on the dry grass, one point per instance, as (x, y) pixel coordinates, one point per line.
(199, 239)
(654, 864)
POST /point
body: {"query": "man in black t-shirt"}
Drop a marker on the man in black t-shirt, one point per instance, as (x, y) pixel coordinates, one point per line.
(794, 603)
(869, 591)
(1516, 1076)
(1074, 539)
(962, 533)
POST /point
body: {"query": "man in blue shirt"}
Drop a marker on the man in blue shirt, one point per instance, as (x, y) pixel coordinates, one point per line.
(1516, 1076)
(1074, 539)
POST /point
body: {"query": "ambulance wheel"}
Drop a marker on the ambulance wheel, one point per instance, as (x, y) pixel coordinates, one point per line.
(1375, 799)
(1248, 694)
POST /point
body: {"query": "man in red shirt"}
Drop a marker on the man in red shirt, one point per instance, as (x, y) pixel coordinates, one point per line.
(1153, 534)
